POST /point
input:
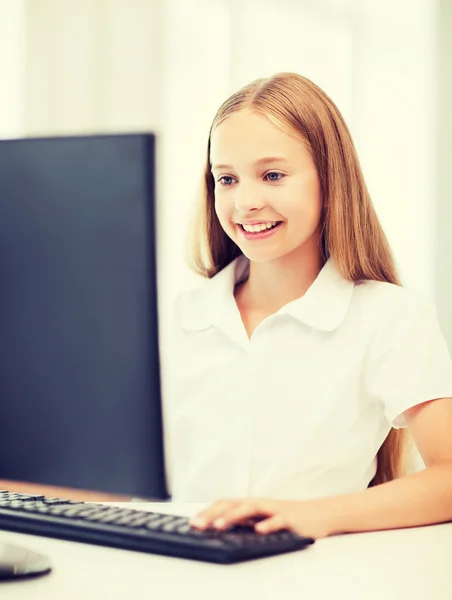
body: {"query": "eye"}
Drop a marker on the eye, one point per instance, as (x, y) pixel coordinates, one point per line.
(273, 176)
(226, 180)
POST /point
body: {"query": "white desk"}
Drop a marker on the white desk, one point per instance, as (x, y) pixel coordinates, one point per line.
(410, 564)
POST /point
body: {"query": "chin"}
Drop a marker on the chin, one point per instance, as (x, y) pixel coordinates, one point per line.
(267, 253)
(262, 255)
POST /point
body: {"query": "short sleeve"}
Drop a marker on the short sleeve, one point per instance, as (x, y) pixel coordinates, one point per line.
(409, 362)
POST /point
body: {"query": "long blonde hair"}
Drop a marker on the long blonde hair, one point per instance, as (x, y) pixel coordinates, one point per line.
(351, 232)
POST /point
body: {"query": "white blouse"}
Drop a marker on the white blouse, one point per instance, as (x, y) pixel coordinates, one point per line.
(300, 409)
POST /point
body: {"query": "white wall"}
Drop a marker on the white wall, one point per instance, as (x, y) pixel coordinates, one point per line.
(395, 119)
(12, 67)
(166, 65)
(92, 66)
(443, 258)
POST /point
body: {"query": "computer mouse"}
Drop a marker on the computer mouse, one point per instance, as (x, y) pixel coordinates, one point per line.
(16, 561)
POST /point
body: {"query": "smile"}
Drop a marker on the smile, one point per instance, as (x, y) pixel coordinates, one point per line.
(259, 230)
(255, 228)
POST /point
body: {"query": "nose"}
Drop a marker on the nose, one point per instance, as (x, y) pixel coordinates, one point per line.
(248, 197)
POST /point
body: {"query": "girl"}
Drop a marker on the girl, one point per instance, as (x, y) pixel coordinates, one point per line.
(301, 360)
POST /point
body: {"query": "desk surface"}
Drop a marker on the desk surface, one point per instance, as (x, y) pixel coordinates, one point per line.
(412, 563)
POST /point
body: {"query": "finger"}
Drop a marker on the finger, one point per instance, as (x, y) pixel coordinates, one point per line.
(274, 523)
(245, 510)
(206, 517)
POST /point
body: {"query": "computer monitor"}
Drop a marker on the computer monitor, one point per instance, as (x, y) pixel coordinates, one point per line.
(80, 402)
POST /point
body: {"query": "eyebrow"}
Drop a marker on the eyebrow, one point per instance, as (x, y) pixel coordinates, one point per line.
(257, 163)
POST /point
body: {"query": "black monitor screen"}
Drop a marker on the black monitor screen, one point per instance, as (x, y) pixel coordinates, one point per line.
(79, 364)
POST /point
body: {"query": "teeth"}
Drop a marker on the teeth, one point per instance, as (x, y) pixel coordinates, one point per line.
(260, 227)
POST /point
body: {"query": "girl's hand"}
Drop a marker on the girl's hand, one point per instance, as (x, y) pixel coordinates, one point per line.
(309, 518)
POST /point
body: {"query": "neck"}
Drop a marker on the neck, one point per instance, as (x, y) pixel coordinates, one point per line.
(273, 284)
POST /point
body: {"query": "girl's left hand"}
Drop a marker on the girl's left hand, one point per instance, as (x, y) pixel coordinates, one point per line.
(309, 518)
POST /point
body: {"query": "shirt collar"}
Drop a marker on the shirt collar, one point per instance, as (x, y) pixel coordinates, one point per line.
(324, 305)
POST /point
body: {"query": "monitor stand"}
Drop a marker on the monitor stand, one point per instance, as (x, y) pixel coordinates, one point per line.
(17, 561)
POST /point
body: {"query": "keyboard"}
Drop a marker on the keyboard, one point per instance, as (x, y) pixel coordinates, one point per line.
(141, 531)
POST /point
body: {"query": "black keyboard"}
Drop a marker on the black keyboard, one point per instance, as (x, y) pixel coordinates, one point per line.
(130, 529)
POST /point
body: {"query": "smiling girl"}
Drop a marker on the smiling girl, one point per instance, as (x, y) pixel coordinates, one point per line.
(301, 360)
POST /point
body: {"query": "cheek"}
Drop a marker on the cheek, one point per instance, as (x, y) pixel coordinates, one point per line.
(304, 217)
(310, 208)
(222, 210)
(314, 210)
